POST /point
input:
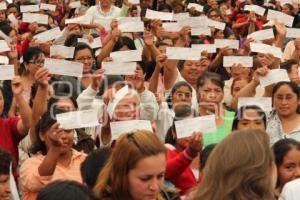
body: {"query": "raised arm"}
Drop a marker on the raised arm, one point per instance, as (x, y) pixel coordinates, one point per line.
(161, 60)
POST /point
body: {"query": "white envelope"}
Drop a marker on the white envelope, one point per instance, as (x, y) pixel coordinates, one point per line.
(281, 17)
(66, 52)
(293, 32)
(3, 6)
(152, 14)
(257, 9)
(201, 31)
(75, 4)
(274, 76)
(104, 22)
(262, 35)
(221, 43)
(127, 56)
(45, 6)
(201, 21)
(48, 35)
(3, 46)
(182, 53)
(33, 17)
(196, 6)
(265, 103)
(264, 48)
(4, 60)
(85, 19)
(134, 2)
(95, 44)
(186, 127)
(216, 24)
(132, 27)
(122, 20)
(77, 119)
(119, 68)
(171, 27)
(7, 72)
(122, 127)
(29, 8)
(245, 61)
(180, 16)
(210, 48)
(120, 94)
(64, 67)
(13, 19)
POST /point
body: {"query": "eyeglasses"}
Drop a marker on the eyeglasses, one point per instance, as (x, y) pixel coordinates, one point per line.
(37, 62)
(84, 59)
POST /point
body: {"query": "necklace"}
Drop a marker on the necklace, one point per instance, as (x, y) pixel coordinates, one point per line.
(105, 14)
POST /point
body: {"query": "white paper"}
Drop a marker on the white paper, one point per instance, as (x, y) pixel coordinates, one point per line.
(265, 103)
(245, 61)
(274, 76)
(122, 20)
(133, 27)
(201, 31)
(293, 32)
(262, 35)
(95, 44)
(152, 14)
(78, 119)
(171, 27)
(33, 17)
(281, 17)
(210, 48)
(282, 2)
(122, 127)
(257, 9)
(3, 6)
(120, 94)
(264, 48)
(104, 22)
(201, 21)
(127, 56)
(29, 8)
(180, 16)
(65, 52)
(75, 4)
(45, 6)
(221, 43)
(85, 19)
(182, 53)
(13, 19)
(186, 127)
(4, 60)
(216, 24)
(228, 11)
(48, 35)
(134, 2)
(196, 6)
(14, 194)
(64, 67)
(119, 68)
(3, 46)
(7, 72)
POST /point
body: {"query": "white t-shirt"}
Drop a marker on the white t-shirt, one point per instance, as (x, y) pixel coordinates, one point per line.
(291, 190)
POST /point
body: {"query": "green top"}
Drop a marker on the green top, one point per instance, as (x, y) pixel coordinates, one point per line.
(222, 131)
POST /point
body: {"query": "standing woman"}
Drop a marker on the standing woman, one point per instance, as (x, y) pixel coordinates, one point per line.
(284, 120)
(210, 89)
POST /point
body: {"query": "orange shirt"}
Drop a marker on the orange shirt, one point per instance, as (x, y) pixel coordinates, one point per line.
(32, 182)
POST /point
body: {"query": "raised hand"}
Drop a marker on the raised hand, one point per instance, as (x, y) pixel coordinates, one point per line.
(148, 38)
(196, 142)
(161, 60)
(262, 71)
(16, 86)
(41, 76)
(97, 79)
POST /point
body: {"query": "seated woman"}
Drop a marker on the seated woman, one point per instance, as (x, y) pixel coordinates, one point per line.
(247, 164)
(210, 96)
(54, 158)
(287, 159)
(183, 154)
(138, 172)
(249, 117)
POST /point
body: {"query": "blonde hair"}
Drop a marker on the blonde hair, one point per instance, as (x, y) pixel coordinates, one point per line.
(239, 168)
(130, 148)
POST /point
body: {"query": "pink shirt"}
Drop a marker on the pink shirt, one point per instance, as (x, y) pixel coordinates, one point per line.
(32, 182)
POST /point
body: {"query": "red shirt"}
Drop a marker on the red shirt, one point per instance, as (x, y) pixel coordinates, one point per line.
(244, 18)
(10, 137)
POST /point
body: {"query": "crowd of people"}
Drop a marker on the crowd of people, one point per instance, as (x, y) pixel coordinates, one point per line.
(150, 100)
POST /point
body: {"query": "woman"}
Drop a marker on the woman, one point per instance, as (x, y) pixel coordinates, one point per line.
(249, 117)
(183, 164)
(284, 121)
(287, 159)
(210, 88)
(53, 158)
(248, 169)
(137, 173)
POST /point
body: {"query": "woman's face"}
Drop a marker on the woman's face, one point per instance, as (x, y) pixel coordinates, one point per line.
(4, 187)
(251, 120)
(210, 95)
(1, 102)
(65, 104)
(192, 70)
(293, 74)
(85, 57)
(146, 179)
(2, 16)
(14, 11)
(290, 167)
(182, 95)
(286, 10)
(35, 63)
(238, 85)
(105, 3)
(127, 109)
(285, 101)
(162, 49)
